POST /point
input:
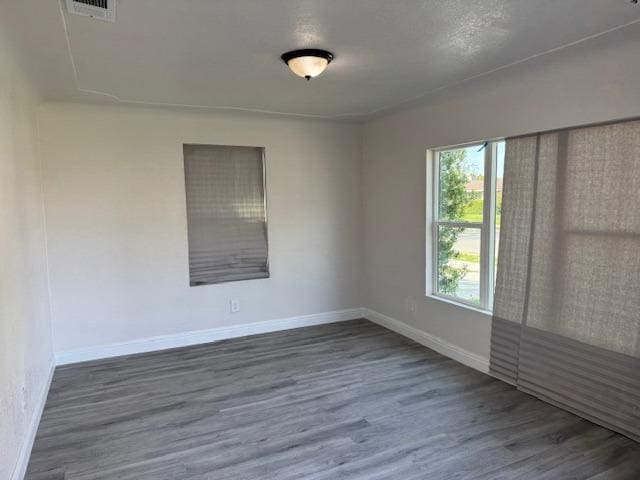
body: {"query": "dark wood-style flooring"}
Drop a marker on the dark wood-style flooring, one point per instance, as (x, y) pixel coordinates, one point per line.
(345, 401)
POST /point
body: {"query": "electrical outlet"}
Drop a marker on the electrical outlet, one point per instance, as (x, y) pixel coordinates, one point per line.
(25, 405)
(411, 306)
(234, 306)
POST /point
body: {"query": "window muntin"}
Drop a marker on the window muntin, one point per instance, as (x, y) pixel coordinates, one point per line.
(467, 186)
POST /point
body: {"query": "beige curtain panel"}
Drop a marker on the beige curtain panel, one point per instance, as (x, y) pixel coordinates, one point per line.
(225, 213)
(566, 325)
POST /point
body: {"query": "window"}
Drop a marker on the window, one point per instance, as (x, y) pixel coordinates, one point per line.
(465, 213)
(226, 213)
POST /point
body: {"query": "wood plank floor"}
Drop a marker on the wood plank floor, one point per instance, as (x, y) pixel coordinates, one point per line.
(343, 401)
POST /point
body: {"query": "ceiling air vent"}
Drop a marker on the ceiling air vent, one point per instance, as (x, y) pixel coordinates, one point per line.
(100, 9)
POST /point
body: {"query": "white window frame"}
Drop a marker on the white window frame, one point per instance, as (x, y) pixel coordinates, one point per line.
(487, 227)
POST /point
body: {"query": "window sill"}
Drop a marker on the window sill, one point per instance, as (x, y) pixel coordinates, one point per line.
(460, 304)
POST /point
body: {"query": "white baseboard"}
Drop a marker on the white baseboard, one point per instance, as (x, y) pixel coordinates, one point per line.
(450, 350)
(185, 339)
(20, 468)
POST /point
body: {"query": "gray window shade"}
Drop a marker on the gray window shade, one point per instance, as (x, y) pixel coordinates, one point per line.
(566, 324)
(226, 213)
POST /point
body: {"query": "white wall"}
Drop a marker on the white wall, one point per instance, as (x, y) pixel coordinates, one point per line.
(26, 358)
(117, 232)
(591, 82)
(114, 193)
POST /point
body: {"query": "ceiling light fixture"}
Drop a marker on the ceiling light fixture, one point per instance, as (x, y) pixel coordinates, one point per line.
(307, 63)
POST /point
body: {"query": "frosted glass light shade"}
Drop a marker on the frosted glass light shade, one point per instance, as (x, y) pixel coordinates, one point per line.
(308, 67)
(307, 63)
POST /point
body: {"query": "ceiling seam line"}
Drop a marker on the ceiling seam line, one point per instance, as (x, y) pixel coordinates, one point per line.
(361, 115)
(503, 67)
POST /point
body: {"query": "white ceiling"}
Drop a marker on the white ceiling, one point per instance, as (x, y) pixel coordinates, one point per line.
(226, 53)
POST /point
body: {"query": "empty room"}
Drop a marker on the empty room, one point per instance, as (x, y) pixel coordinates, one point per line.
(319, 240)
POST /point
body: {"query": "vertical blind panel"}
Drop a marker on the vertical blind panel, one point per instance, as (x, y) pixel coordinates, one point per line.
(517, 206)
(567, 319)
(513, 264)
(225, 213)
(544, 252)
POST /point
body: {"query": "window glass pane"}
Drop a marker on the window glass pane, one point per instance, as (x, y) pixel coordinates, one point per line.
(461, 184)
(498, 201)
(459, 262)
